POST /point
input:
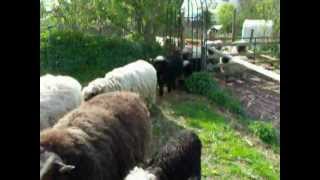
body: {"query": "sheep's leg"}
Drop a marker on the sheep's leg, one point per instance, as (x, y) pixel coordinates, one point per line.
(173, 83)
(169, 87)
(160, 89)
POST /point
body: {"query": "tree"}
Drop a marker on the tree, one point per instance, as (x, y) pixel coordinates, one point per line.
(260, 9)
(225, 16)
(142, 18)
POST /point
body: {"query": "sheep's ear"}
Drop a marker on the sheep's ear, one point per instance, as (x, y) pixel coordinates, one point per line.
(63, 168)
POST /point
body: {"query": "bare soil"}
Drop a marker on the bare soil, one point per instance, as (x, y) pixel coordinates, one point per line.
(260, 96)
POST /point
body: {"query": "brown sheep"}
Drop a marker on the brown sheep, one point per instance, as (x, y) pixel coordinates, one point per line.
(102, 139)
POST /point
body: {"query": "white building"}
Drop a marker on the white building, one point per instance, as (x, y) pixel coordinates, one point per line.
(261, 28)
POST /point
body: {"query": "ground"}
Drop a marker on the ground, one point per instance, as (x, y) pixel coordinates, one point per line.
(260, 97)
(229, 150)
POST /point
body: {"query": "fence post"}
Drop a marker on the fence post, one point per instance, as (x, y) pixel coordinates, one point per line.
(254, 48)
(251, 35)
(234, 25)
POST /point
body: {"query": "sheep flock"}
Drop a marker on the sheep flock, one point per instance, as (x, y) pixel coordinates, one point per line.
(103, 130)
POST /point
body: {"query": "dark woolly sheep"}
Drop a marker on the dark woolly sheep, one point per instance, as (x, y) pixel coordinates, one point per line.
(102, 139)
(179, 159)
(193, 56)
(169, 69)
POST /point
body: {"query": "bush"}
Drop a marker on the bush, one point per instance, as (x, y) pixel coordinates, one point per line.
(269, 49)
(225, 16)
(87, 56)
(202, 83)
(264, 131)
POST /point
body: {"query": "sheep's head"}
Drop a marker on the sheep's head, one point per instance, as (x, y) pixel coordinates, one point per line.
(225, 59)
(140, 174)
(89, 92)
(52, 166)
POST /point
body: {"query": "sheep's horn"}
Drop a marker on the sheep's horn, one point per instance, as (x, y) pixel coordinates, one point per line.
(65, 168)
(47, 166)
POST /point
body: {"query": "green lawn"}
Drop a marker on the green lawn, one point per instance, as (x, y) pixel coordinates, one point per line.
(228, 153)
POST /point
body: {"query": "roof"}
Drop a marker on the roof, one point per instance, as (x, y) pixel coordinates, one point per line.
(257, 22)
(216, 27)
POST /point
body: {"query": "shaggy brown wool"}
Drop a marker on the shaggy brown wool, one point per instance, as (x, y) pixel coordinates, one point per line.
(104, 138)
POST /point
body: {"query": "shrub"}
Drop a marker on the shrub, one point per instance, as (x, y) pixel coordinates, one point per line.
(265, 131)
(87, 56)
(202, 83)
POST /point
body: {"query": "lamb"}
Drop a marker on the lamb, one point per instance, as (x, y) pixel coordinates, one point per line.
(139, 77)
(102, 139)
(169, 69)
(179, 159)
(58, 95)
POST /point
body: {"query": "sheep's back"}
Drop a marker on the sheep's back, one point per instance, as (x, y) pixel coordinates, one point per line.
(114, 132)
(58, 95)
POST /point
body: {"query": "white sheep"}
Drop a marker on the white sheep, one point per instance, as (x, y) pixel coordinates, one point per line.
(58, 95)
(139, 77)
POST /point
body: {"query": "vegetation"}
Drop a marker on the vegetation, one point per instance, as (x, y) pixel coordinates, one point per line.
(272, 49)
(87, 57)
(202, 83)
(225, 16)
(143, 19)
(264, 131)
(249, 9)
(261, 9)
(227, 153)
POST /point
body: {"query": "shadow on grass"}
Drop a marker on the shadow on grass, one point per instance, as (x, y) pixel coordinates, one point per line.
(163, 128)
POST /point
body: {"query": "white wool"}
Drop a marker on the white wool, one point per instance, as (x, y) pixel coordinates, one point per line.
(140, 174)
(185, 63)
(58, 95)
(139, 77)
(160, 58)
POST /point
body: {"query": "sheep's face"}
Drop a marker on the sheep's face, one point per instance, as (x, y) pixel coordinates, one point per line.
(225, 60)
(140, 174)
(88, 93)
(52, 167)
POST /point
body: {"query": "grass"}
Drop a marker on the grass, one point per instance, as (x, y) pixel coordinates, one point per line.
(227, 153)
(202, 83)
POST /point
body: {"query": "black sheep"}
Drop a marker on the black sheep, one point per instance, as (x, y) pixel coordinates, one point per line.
(179, 159)
(169, 69)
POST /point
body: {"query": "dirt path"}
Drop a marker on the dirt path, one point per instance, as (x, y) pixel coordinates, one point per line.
(260, 96)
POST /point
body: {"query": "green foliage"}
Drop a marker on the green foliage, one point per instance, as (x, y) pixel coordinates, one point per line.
(203, 83)
(225, 16)
(145, 18)
(268, 49)
(89, 56)
(260, 9)
(226, 154)
(264, 131)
